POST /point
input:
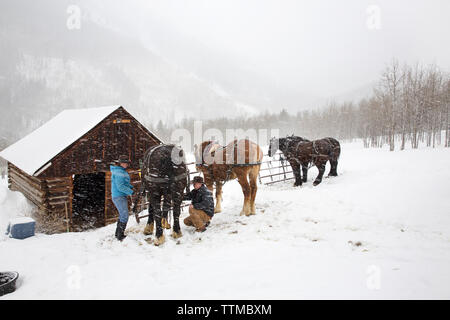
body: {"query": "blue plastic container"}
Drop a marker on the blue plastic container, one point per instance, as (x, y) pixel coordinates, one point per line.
(21, 228)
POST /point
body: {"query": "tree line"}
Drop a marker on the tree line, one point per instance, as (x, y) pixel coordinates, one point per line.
(409, 104)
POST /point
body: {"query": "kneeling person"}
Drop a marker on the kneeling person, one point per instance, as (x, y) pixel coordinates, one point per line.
(202, 208)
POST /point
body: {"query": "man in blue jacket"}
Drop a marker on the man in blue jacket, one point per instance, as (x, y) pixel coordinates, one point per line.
(121, 188)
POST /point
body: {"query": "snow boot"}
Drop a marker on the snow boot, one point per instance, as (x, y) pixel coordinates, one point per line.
(120, 230)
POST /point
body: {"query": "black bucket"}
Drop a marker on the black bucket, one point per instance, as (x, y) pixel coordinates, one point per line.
(8, 282)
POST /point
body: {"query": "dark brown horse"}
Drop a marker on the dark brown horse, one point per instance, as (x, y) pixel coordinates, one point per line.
(165, 177)
(240, 159)
(289, 146)
(307, 153)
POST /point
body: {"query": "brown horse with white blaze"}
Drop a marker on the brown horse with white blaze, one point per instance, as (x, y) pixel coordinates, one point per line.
(240, 159)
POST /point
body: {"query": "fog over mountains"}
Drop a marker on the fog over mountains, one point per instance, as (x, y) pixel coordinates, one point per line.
(46, 67)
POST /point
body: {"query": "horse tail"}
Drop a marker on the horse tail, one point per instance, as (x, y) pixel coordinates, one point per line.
(335, 150)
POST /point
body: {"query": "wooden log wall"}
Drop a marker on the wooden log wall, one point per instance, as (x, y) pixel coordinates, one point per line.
(52, 198)
(32, 188)
(59, 198)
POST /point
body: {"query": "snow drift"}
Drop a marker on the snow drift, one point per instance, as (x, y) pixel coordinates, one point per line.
(380, 230)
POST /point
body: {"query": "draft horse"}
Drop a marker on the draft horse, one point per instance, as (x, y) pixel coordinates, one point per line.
(288, 147)
(164, 176)
(240, 159)
(302, 153)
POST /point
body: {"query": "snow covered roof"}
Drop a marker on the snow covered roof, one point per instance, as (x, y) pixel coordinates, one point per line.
(36, 149)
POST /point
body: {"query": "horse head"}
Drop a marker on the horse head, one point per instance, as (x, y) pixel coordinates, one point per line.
(278, 144)
(273, 146)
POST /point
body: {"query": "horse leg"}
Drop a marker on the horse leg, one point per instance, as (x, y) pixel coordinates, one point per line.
(166, 208)
(242, 179)
(253, 178)
(156, 207)
(305, 172)
(178, 198)
(333, 169)
(321, 166)
(176, 232)
(150, 222)
(219, 198)
(296, 170)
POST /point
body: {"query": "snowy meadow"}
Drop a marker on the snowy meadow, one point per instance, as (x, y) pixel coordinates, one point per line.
(380, 230)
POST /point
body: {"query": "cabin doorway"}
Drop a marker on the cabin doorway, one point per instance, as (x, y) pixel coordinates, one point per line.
(88, 204)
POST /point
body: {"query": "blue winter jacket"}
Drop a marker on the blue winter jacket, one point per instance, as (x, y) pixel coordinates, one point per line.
(120, 182)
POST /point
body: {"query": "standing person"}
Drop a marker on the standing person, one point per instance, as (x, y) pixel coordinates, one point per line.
(121, 188)
(202, 208)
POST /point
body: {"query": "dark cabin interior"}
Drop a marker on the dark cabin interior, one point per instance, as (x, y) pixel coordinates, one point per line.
(88, 204)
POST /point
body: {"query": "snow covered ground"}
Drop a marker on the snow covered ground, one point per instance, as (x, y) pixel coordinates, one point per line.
(380, 230)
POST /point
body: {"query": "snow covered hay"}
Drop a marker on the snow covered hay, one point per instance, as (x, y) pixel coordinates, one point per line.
(63, 167)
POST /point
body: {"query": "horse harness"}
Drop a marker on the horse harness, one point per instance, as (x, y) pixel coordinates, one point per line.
(157, 179)
(313, 156)
(229, 166)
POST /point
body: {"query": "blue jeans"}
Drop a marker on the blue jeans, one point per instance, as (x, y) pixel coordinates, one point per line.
(121, 204)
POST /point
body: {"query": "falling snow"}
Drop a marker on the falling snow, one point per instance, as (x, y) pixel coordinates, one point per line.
(381, 229)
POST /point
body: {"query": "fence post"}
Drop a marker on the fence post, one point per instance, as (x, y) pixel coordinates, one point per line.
(270, 171)
(282, 166)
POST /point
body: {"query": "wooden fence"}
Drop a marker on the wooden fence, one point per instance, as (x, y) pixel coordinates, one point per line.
(273, 169)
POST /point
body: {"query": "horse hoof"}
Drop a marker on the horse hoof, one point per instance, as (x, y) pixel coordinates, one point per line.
(176, 235)
(165, 224)
(148, 229)
(217, 210)
(316, 183)
(159, 241)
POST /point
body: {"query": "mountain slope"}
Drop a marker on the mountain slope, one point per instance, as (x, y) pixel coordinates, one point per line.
(46, 67)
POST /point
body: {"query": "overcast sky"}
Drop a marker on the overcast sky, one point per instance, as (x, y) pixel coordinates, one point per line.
(323, 46)
(261, 54)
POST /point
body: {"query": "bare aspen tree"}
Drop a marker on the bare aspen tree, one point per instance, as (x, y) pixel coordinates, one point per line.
(410, 104)
(390, 86)
(446, 110)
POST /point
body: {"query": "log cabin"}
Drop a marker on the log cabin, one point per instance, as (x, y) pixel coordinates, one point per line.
(63, 167)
